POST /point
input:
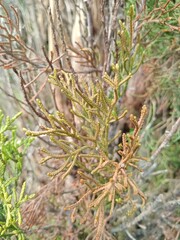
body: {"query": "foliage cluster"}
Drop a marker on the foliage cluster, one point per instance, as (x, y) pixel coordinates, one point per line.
(12, 195)
(104, 180)
(163, 50)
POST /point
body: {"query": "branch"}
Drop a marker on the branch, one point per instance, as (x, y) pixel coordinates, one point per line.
(160, 148)
(151, 208)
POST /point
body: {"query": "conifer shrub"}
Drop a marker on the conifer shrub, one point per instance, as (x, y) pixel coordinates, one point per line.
(104, 181)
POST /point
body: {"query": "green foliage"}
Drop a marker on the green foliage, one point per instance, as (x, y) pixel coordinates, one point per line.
(171, 155)
(129, 52)
(163, 49)
(12, 150)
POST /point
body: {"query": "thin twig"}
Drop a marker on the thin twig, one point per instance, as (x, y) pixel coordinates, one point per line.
(28, 101)
(89, 25)
(54, 36)
(58, 12)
